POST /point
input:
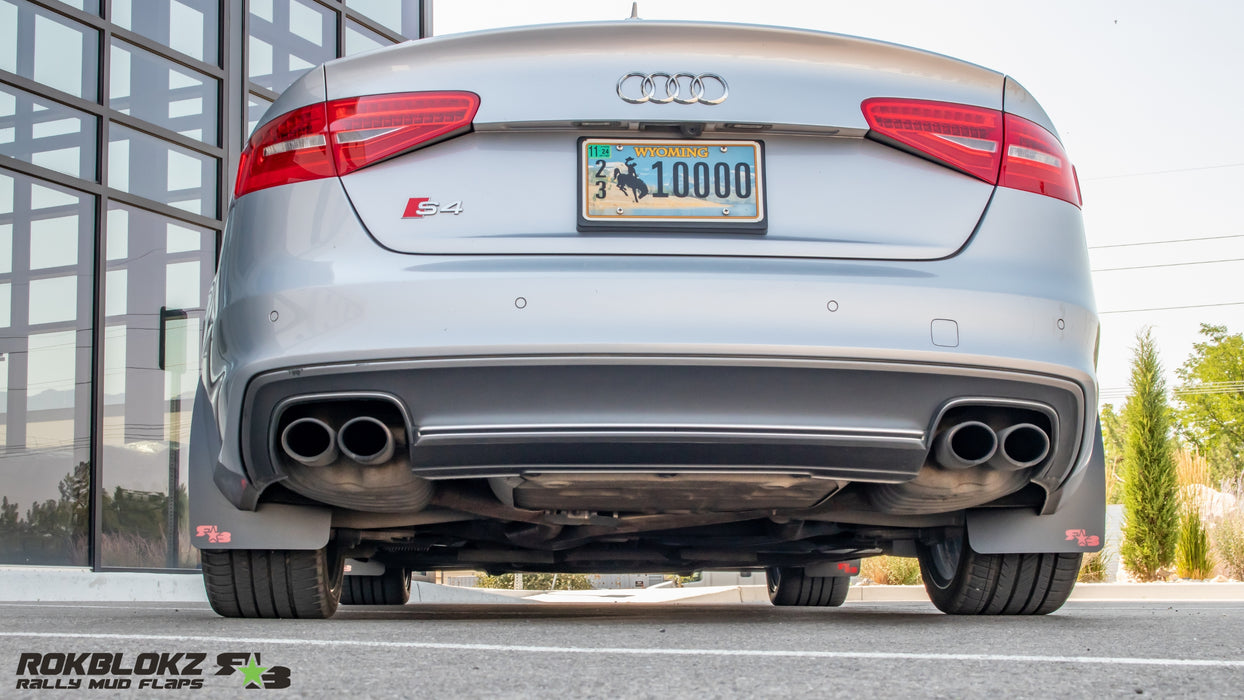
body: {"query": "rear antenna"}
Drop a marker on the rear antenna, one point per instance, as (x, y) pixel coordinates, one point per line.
(634, 11)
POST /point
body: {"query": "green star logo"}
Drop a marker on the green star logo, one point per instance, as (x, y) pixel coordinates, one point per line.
(252, 673)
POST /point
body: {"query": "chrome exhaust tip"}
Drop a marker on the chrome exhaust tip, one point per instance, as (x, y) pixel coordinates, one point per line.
(310, 441)
(366, 440)
(965, 445)
(1021, 446)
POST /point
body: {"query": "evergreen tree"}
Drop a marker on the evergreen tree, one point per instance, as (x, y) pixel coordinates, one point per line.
(1150, 483)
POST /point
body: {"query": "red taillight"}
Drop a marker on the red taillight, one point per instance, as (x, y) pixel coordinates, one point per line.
(339, 137)
(291, 148)
(1001, 149)
(963, 137)
(369, 129)
(1036, 162)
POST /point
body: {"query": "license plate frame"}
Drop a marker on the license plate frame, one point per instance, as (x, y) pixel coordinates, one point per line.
(701, 173)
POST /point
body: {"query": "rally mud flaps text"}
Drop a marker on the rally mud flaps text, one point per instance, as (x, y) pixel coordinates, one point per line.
(151, 670)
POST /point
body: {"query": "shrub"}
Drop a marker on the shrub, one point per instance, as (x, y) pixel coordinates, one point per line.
(1228, 537)
(1191, 469)
(1150, 486)
(1192, 557)
(891, 571)
(538, 582)
(1094, 568)
(1192, 554)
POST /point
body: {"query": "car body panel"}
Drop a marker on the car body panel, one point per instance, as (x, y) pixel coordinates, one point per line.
(825, 197)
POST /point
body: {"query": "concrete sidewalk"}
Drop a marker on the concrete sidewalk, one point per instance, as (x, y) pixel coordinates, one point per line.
(67, 584)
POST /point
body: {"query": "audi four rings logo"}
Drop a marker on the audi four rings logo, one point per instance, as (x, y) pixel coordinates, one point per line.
(664, 88)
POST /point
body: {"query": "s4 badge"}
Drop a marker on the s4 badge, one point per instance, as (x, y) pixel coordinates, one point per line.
(423, 207)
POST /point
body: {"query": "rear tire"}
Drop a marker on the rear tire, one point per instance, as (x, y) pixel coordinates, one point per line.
(273, 583)
(390, 588)
(963, 582)
(791, 586)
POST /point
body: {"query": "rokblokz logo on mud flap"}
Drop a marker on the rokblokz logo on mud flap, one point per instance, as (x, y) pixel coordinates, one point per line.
(150, 670)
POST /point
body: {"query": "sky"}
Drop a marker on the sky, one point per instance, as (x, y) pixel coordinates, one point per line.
(1146, 96)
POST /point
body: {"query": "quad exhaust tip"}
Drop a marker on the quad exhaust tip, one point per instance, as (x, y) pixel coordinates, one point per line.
(310, 441)
(366, 440)
(1021, 446)
(965, 445)
(972, 443)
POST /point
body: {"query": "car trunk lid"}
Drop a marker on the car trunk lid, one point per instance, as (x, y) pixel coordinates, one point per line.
(513, 186)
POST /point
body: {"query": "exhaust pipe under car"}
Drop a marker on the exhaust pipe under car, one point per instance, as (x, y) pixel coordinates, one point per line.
(310, 441)
(1020, 446)
(965, 445)
(366, 440)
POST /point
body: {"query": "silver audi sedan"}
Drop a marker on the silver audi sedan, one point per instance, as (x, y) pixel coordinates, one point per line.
(649, 296)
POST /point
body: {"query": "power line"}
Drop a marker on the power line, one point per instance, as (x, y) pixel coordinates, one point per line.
(1180, 264)
(1206, 389)
(1170, 240)
(1206, 392)
(1171, 307)
(1210, 388)
(1164, 172)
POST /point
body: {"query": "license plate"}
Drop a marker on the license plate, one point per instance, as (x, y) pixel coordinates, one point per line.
(663, 184)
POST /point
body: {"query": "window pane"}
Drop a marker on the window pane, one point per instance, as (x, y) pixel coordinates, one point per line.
(360, 39)
(48, 48)
(149, 167)
(45, 368)
(47, 133)
(288, 37)
(256, 106)
(401, 17)
(152, 261)
(159, 91)
(91, 6)
(188, 26)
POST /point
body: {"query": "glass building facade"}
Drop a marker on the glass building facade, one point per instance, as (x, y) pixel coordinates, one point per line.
(120, 125)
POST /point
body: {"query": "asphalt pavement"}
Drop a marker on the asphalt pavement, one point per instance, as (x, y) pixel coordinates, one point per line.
(869, 650)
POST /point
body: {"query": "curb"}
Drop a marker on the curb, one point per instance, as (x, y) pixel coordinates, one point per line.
(73, 584)
(1182, 591)
(423, 593)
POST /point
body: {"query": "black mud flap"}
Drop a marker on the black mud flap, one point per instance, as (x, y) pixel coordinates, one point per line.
(1078, 526)
(216, 523)
(850, 567)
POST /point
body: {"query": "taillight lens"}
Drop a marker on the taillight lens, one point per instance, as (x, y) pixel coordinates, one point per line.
(291, 148)
(1001, 149)
(341, 136)
(1036, 162)
(963, 137)
(369, 129)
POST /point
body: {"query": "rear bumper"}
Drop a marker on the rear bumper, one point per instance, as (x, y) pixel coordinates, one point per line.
(739, 351)
(506, 416)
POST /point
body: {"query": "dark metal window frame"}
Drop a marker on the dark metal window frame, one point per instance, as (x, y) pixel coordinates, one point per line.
(343, 12)
(233, 84)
